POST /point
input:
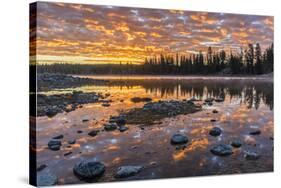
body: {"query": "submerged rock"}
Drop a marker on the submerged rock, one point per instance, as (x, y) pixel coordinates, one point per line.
(54, 145)
(127, 171)
(46, 179)
(89, 169)
(251, 155)
(123, 128)
(236, 143)
(154, 111)
(72, 141)
(255, 132)
(179, 139)
(110, 126)
(120, 120)
(58, 137)
(68, 153)
(216, 131)
(222, 150)
(93, 133)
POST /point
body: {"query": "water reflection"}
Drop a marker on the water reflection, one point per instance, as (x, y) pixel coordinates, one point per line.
(251, 92)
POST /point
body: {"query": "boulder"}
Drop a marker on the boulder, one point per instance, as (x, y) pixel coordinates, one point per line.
(89, 169)
(236, 143)
(216, 131)
(179, 139)
(222, 150)
(93, 133)
(127, 171)
(54, 145)
(123, 128)
(110, 126)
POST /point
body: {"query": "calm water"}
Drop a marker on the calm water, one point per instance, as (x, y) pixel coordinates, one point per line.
(248, 105)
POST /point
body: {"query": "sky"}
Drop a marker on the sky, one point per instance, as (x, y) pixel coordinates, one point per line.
(91, 34)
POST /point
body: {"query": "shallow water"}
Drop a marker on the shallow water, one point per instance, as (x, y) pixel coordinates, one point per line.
(248, 105)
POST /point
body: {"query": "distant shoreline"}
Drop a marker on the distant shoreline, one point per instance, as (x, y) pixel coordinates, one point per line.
(263, 77)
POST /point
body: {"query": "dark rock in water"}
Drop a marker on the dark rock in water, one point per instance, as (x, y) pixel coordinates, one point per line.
(222, 150)
(216, 131)
(209, 100)
(213, 120)
(271, 138)
(110, 126)
(93, 133)
(155, 111)
(127, 171)
(179, 139)
(120, 120)
(123, 128)
(105, 104)
(85, 119)
(58, 137)
(50, 112)
(79, 131)
(68, 153)
(215, 111)
(54, 145)
(140, 99)
(72, 141)
(219, 99)
(41, 167)
(256, 132)
(46, 179)
(236, 143)
(180, 147)
(251, 155)
(89, 169)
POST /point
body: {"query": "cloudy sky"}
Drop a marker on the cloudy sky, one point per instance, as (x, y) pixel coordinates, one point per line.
(104, 34)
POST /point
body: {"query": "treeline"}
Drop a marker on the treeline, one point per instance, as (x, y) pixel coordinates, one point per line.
(249, 61)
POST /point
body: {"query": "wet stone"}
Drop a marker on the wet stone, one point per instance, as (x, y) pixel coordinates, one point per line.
(249, 155)
(72, 141)
(127, 171)
(255, 132)
(216, 131)
(179, 139)
(110, 126)
(213, 120)
(89, 169)
(123, 128)
(46, 179)
(222, 150)
(93, 133)
(68, 153)
(54, 145)
(58, 137)
(236, 143)
(79, 131)
(219, 100)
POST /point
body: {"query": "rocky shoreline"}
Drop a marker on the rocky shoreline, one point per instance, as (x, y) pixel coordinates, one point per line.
(50, 81)
(50, 105)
